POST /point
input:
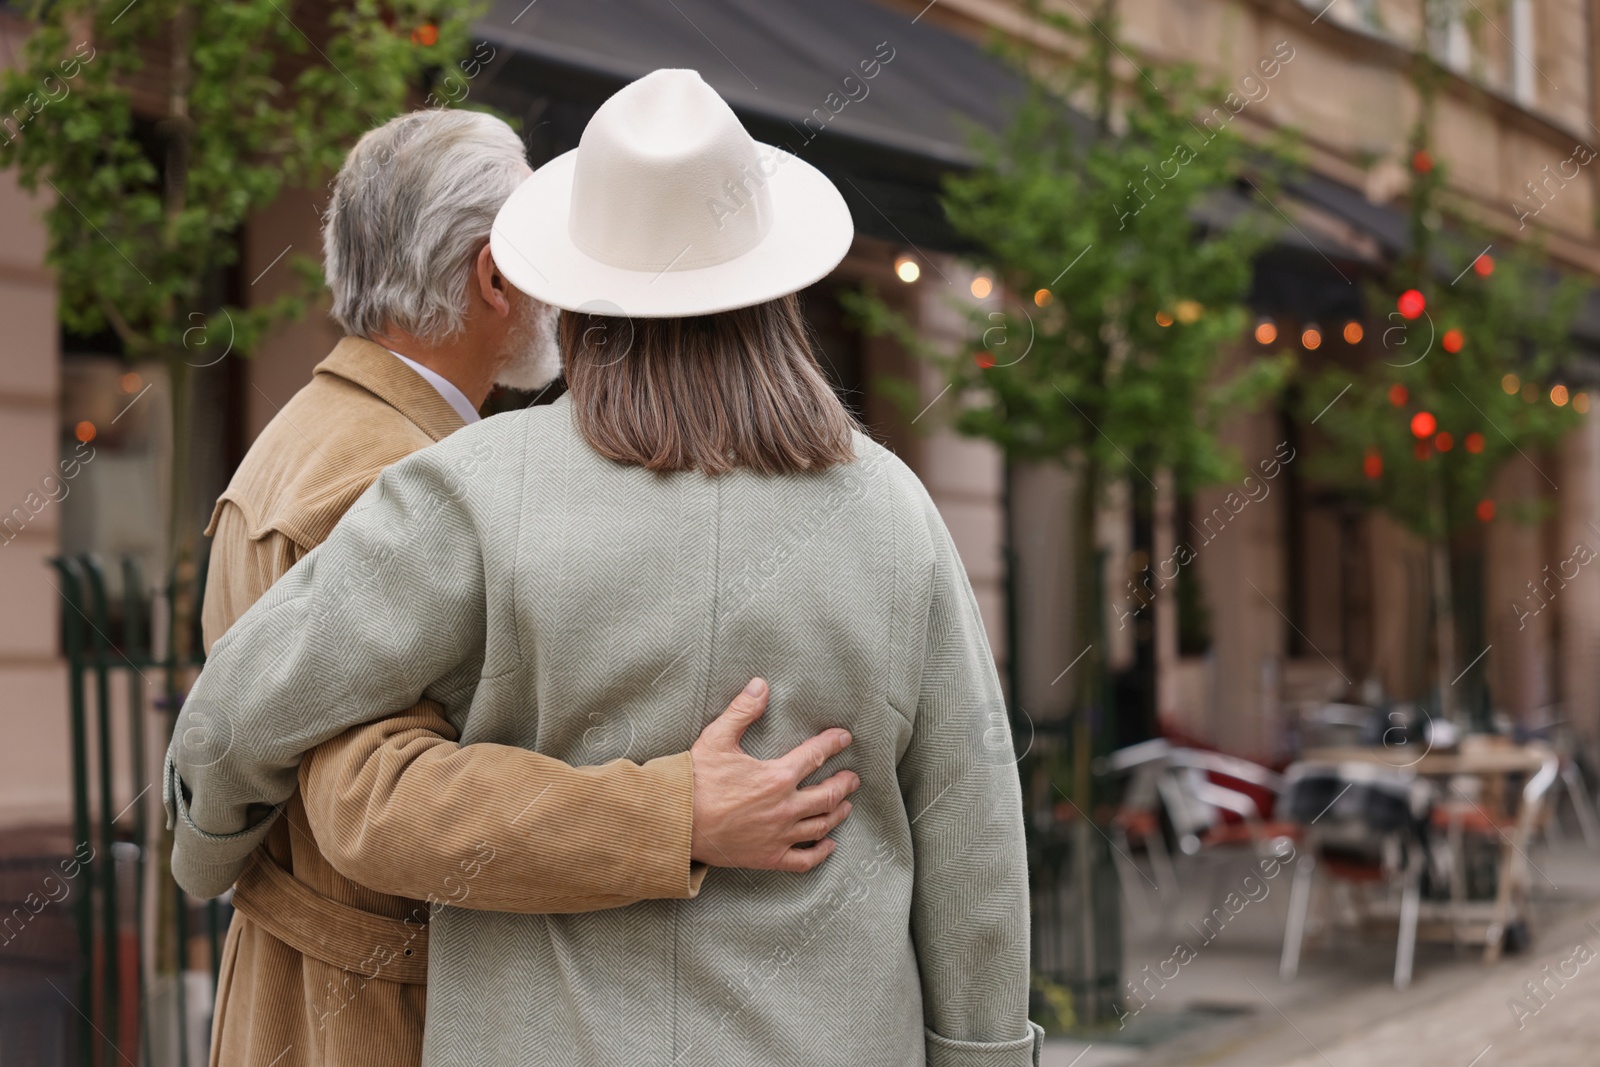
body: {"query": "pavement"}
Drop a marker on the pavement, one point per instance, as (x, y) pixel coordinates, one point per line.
(1226, 1006)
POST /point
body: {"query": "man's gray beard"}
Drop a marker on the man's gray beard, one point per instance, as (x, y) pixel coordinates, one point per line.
(533, 355)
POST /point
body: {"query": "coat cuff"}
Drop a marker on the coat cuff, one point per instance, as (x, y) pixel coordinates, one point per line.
(666, 872)
(206, 864)
(1023, 1052)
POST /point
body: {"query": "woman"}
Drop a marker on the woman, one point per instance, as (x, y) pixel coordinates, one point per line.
(698, 502)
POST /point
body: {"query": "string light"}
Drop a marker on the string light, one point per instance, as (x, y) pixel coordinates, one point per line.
(907, 269)
(84, 431)
(1353, 333)
(1483, 266)
(1423, 424)
(1042, 298)
(1311, 337)
(1558, 395)
(1411, 303)
(1266, 332)
(982, 287)
(1163, 319)
(1452, 341)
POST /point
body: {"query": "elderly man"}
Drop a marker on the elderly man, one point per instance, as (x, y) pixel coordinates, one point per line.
(326, 959)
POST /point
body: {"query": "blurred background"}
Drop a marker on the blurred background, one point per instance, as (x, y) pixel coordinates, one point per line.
(1246, 346)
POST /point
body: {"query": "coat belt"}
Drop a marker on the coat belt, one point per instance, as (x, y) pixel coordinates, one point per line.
(373, 946)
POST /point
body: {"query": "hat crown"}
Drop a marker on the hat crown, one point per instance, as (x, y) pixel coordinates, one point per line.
(668, 179)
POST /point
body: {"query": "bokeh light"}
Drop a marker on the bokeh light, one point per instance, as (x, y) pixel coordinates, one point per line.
(1423, 424)
(1311, 337)
(1042, 298)
(1163, 319)
(131, 382)
(1266, 332)
(1411, 303)
(982, 287)
(907, 269)
(1443, 441)
(1485, 510)
(1483, 265)
(1372, 465)
(1580, 403)
(84, 431)
(1397, 395)
(1474, 442)
(1452, 341)
(1511, 383)
(1353, 333)
(1558, 395)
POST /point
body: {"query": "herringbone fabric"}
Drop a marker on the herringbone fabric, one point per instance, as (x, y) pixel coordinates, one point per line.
(320, 970)
(552, 599)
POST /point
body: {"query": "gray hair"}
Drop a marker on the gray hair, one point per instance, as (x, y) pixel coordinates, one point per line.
(412, 205)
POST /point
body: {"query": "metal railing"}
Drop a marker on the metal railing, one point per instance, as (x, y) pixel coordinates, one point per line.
(132, 1003)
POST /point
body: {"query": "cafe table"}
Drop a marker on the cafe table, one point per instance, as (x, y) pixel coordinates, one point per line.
(1492, 761)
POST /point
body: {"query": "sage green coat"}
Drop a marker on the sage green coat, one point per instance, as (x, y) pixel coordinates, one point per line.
(553, 599)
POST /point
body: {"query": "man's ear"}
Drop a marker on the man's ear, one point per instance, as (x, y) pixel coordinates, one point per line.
(491, 283)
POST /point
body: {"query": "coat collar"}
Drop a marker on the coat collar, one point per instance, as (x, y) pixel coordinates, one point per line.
(375, 369)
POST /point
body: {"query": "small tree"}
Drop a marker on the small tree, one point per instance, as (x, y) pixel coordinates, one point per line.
(1467, 379)
(256, 96)
(1107, 356)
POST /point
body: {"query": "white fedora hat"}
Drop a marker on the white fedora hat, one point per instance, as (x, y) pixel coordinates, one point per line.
(669, 208)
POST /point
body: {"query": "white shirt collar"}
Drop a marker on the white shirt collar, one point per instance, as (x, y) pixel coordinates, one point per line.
(445, 388)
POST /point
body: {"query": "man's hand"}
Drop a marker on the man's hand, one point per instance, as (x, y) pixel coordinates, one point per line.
(751, 813)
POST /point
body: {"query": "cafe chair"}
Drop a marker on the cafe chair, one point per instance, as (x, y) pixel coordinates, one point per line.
(1182, 789)
(1363, 825)
(1556, 732)
(1138, 819)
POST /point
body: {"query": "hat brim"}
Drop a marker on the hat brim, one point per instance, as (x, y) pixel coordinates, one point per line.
(811, 232)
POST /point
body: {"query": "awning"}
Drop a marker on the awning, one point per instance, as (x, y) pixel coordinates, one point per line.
(886, 141)
(792, 69)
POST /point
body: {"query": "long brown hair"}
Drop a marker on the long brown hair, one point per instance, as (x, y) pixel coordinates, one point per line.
(709, 393)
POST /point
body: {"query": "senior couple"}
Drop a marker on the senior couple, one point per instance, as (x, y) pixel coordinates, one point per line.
(478, 740)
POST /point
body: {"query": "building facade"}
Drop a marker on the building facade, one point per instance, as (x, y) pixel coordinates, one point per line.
(1309, 598)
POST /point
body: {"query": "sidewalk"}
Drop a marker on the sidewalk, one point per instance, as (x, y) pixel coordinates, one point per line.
(1227, 1007)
